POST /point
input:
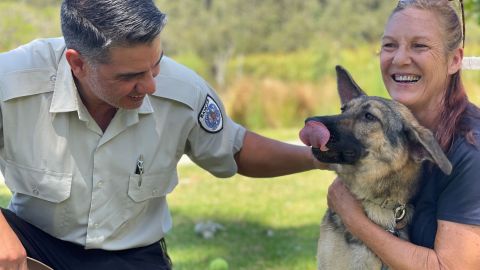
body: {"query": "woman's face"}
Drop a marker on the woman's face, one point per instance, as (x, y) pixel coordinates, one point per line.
(414, 63)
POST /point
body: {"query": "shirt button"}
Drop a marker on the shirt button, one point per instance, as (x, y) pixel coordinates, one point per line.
(100, 184)
(155, 192)
(95, 225)
(35, 190)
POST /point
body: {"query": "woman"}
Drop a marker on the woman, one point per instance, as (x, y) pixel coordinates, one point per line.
(420, 61)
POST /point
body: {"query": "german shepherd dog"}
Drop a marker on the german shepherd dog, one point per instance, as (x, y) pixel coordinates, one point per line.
(376, 147)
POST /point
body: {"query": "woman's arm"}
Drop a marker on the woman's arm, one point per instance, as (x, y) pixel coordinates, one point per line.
(457, 246)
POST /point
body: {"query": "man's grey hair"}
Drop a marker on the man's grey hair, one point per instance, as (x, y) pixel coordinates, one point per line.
(92, 27)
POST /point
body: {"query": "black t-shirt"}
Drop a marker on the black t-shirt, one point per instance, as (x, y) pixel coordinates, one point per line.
(455, 197)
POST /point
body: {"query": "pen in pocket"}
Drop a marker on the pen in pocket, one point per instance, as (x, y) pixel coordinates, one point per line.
(139, 169)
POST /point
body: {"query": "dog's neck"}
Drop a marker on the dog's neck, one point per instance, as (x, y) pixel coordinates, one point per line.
(382, 195)
(391, 204)
(397, 187)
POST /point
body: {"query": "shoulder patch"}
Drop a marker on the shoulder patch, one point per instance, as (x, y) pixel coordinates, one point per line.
(210, 117)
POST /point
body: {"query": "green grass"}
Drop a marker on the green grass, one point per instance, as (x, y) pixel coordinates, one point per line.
(282, 134)
(4, 196)
(291, 207)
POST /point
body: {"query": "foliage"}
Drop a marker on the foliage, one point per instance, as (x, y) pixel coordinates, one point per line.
(21, 23)
(472, 7)
(271, 61)
(39, 3)
(220, 30)
(282, 90)
(305, 65)
(258, 103)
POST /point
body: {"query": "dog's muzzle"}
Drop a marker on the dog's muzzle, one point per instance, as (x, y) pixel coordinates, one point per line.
(343, 147)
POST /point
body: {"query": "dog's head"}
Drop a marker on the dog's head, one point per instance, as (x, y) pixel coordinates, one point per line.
(371, 130)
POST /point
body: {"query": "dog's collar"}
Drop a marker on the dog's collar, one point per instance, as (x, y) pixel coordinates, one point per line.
(399, 211)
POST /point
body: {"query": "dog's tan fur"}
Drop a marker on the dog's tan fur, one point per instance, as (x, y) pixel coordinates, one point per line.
(384, 176)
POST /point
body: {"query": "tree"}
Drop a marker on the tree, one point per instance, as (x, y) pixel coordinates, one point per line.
(21, 22)
(218, 30)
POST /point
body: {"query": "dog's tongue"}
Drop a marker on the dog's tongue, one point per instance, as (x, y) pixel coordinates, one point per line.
(315, 134)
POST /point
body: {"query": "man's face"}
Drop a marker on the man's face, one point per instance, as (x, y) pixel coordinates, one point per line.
(124, 81)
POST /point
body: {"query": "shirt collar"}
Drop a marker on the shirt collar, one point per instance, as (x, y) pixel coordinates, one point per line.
(146, 106)
(65, 95)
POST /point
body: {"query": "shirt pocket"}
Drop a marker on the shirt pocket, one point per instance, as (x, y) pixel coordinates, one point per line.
(46, 185)
(152, 185)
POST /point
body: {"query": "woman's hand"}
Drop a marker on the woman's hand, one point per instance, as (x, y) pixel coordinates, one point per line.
(343, 203)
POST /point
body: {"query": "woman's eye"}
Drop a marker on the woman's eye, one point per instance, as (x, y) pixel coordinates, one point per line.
(370, 117)
(420, 46)
(388, 45)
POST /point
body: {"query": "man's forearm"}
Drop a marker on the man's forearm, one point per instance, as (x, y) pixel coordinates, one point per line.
(264, 157)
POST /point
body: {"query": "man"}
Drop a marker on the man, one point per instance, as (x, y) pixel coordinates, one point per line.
(93, 125)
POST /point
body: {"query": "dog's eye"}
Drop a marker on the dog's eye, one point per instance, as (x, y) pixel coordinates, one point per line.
(370, 117)
(343, 108)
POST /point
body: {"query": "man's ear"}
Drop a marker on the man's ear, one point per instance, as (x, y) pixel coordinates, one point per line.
(455, 62)
(77, 63)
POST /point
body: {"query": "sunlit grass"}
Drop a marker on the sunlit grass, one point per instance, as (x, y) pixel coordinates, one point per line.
(4, 195)
(283, 134)
(289, 208)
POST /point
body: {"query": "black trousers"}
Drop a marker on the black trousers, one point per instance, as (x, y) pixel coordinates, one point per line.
(60, 254)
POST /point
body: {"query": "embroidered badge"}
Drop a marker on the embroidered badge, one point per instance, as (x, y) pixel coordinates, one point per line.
(210, 117)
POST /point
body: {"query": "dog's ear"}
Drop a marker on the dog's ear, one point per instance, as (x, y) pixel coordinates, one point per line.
(348, 89)
(424, 146)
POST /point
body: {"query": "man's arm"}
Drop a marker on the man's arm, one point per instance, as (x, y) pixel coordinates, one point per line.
(264, 157)
(12, 252)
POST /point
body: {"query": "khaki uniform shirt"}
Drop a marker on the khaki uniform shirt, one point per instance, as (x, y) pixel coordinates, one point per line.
(82, 185)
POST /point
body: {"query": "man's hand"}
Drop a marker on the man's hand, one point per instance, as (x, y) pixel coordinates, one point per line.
(12, 253)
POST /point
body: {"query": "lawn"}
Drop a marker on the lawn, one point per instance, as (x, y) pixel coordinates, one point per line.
(4, 195)
(269, 223)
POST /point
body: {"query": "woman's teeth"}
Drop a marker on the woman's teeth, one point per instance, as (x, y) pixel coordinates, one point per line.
(406, 78)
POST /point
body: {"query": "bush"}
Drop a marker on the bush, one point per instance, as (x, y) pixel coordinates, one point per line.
(20, 23)
(308, 65)
(272, 103)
